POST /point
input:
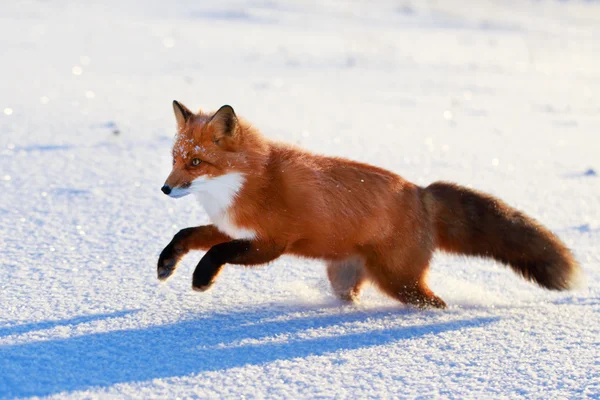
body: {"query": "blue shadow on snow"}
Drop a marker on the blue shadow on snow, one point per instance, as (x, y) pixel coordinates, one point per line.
(184, 348)
(38, 326)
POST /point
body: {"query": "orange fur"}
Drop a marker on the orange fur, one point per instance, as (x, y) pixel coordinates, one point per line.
(358, 217)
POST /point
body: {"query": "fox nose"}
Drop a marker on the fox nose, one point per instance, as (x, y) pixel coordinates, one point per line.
(166, 189)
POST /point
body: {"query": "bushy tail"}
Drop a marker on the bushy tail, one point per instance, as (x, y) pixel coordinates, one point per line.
(473, 223)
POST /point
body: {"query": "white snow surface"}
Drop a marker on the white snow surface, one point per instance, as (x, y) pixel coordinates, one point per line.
(503, 96)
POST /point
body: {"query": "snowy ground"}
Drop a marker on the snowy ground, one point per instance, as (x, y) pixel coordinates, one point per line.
(502, 95)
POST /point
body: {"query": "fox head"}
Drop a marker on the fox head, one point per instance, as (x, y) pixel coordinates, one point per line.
(213, 153)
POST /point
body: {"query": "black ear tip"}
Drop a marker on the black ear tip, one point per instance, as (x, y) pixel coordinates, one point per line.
(228, 108)
(178, 106)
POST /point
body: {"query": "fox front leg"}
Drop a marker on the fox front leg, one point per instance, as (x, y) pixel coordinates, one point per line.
(197, 238)
(240, 252)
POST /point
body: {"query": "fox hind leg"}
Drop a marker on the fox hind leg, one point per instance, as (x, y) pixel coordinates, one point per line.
(419, 295)
(403, 278)
(347, 278)
(409, 291)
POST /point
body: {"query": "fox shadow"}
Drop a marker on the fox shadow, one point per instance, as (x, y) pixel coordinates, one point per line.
(38, 326)
(206, 343)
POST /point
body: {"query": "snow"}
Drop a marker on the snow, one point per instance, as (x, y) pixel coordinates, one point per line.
(503, 96)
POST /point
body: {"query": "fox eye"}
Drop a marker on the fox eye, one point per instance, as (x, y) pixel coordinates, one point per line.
(196, 162)
(173, 161)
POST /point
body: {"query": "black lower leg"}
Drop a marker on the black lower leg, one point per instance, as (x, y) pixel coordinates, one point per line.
(196, 238)
(242, 252)
(206, 272)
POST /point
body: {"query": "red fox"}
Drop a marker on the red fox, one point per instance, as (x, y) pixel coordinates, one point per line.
(368, 224)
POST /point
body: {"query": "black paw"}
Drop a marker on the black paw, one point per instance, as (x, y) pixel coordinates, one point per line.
(202, 288)
(167, 263)
(205, 274)
(203, 280)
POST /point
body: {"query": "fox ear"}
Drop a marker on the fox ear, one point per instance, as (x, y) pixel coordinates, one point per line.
(225, 123)
(182, 114)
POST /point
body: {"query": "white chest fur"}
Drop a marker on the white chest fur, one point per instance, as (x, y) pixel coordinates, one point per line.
(225, 224)
(217, 196)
